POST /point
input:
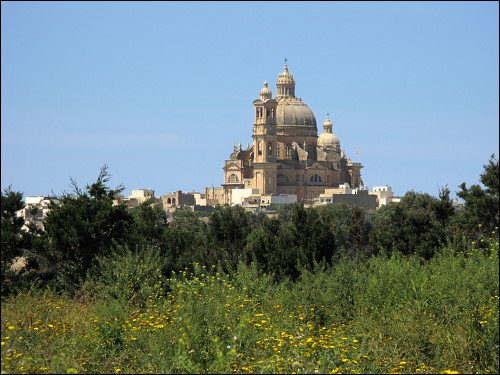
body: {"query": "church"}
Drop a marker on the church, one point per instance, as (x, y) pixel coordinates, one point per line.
(287, 156)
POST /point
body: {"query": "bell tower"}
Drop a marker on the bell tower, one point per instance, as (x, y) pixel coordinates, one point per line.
(264, 142)
(264, 132)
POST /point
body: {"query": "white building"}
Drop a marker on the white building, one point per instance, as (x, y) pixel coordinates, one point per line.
(384, 195)
(35, 210)
(238, 196)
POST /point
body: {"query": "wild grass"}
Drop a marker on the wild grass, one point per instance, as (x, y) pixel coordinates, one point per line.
(382, 315)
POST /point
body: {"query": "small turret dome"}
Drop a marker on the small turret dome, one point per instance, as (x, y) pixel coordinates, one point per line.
(266, 92)
(327, 140)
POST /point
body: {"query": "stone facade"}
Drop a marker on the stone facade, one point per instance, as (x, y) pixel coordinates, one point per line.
(137, 197)
(179, 199)
(287, 156)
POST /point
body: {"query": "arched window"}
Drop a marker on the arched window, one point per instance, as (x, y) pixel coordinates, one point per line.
(173, 200)
(315, 178)
(259, 148)
(269, 148)
(277, 150)
(233, 178)
(288, 150)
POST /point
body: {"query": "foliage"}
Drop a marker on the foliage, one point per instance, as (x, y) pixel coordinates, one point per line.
(24, 249)
(150, 223)
(413, 288)
(481, 205)
(11, 225)
(284, 247)
(349, 226)
(312, 237)
(186, 239)
(83, 226)
(272, 248)
(414, 225)
(134, 277)
(228, 228)
(358, 316)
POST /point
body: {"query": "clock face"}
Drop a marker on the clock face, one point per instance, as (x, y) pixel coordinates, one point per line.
(259, 128)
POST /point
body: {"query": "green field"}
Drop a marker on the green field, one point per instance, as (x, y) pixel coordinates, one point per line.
(382, 315)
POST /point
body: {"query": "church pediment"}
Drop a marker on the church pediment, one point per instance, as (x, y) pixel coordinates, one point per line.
(231, 165)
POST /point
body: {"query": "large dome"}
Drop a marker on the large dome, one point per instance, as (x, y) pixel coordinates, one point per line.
(293, 111)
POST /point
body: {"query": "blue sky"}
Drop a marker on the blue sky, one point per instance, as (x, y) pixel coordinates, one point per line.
(160, 91)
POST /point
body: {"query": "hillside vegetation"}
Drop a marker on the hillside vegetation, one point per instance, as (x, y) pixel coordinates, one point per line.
(412, 288)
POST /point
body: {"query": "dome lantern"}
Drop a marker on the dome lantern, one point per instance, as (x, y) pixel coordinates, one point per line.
(327, 125)
(285, 86)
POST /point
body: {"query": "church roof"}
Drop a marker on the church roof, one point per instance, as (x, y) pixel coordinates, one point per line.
(294, 112)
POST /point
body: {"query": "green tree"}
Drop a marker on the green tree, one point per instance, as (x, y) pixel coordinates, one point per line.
(349, 226)
(150, 223)
(443, 207)
(481, 205)
(12, 238)
(312, 236)
(186, 239)
(228, 228)
(272, 248)
(84, 225)
(414, 225)
(11, 202)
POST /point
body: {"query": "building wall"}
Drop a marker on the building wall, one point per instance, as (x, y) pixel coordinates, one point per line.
(384, 194)
(238, 195)
(216, 195)
(278, 199)
(179, 198)
(362, 199)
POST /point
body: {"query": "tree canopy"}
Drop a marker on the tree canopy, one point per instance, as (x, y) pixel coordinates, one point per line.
(85, 227)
